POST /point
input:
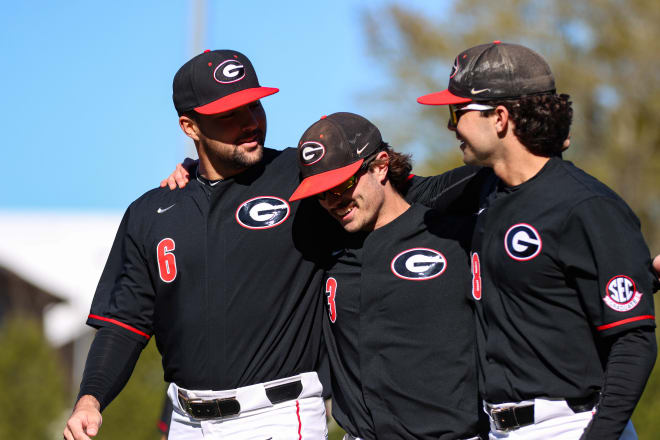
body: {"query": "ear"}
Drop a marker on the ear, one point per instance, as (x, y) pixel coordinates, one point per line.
(502, 120)
(189, 127)
(381, 166)
(567, 143)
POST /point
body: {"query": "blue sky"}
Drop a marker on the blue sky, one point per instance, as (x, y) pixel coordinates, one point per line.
(88, 120)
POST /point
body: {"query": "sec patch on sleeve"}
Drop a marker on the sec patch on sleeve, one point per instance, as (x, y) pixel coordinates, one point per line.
(621, 294)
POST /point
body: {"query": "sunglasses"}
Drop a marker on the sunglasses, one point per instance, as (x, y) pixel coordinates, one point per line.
(340, 189)
(456, 111)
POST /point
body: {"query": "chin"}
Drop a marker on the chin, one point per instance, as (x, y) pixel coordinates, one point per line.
(248, 158)
(351, 228)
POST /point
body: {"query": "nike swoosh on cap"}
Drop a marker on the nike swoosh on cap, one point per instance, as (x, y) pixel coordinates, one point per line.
(360, 150)
(476, 92)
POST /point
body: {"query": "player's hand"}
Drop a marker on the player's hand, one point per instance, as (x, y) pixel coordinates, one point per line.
(85, 420)
(656, 265)
(180, 176)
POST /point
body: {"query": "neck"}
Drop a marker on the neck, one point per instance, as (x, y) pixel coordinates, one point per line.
(517, 165)
(393, 206)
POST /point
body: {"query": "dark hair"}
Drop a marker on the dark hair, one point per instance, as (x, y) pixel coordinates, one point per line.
(542, 122)
(398, 167)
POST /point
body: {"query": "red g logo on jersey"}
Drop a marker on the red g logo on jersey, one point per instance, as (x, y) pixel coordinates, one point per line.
(621, 294)
(262, 212)
(418, 264)
(166, 260)
(522, 242)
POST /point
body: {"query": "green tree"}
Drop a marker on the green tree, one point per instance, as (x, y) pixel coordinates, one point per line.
(603, 54)
(32, 381)
(134, 414)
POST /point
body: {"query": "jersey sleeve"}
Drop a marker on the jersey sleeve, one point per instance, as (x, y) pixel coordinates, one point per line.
(454, 191)
(125, 296)
(605, 257)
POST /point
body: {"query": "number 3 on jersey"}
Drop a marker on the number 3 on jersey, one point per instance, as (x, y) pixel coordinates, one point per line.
(331, 291)
(166, 260)
(476, 277)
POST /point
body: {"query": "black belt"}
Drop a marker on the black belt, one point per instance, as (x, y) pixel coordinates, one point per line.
(214, 408)
(513, 417)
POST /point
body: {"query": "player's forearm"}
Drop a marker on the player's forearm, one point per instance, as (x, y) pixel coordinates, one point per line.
(87, 400)
(629, 365)
(109, 365)
(444, 191)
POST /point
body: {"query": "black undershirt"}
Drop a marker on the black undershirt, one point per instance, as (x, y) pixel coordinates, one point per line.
(110, 363)
(629, 364)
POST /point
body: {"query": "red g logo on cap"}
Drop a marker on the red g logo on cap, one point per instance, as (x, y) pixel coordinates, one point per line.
(228, 72)
(454, 69)
(311, 152)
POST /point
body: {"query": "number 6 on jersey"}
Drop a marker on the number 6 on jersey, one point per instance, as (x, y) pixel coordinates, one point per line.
(166, 260)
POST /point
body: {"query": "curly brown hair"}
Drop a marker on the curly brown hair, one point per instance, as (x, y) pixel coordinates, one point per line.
(399, 166)
(541, 122)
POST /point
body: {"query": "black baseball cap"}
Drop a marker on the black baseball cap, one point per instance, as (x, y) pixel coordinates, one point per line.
(216, 81)
(494, 71)
(333, 149)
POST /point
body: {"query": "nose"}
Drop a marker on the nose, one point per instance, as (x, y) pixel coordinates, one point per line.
(249, 121)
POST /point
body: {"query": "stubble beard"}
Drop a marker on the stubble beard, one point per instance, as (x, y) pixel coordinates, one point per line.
(241, 159)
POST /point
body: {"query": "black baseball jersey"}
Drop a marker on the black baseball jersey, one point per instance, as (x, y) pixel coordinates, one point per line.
(559, 264)
(400, 332)
(224, 275)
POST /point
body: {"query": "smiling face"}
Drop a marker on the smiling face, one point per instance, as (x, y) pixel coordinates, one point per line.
(478, 135)
(233, 139)
(359, 208)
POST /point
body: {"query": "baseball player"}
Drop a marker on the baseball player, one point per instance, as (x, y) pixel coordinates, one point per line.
(399, 329)
(221, 273)
(562, 284)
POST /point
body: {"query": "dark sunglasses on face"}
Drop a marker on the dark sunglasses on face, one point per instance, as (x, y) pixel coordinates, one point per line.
(340, 189)
(457, 110)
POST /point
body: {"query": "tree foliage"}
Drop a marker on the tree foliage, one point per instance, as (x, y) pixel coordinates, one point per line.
(32, 381)
(602, 53)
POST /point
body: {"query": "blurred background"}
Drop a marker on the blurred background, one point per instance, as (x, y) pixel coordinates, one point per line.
(89, 125)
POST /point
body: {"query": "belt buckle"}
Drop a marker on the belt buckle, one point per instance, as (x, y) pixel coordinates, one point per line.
(505, 418)
(204, 409)
(209, 409)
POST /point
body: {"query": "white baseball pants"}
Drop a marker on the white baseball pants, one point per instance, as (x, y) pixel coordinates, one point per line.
(300, 419)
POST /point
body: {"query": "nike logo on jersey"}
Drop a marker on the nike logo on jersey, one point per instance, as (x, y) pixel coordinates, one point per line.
(338, 252)
(162, 210)
(360, 150)
(476, 92)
